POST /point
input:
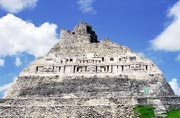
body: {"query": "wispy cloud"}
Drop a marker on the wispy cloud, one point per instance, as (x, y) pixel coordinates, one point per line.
(15, 6)
(18, 36)
(1, 62)
(18, 62)
(141, 54)
(86, 6)
(174, 85)
(4, 88)
(178, 58)
(169, 39)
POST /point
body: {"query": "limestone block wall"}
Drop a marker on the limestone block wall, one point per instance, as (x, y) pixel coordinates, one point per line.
(120, 111)
(121, 107)
(81, 86)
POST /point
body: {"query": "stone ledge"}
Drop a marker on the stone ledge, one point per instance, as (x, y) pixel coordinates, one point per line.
(58, 101)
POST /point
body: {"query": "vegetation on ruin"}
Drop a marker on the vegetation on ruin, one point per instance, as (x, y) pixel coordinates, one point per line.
(173, 114)
(148, 112)
(144, 111)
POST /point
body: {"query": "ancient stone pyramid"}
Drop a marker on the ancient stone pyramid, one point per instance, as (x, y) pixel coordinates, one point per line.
(81, 77)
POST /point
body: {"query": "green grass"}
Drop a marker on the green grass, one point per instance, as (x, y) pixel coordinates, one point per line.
(144, 111)
(148, 112)
(174, 114)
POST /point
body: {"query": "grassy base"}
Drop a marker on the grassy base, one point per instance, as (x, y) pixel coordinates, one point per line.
(148, 112)
(144, 111)
(174, 114)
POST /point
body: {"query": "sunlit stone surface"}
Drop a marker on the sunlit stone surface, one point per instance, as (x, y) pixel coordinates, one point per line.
(82, 77)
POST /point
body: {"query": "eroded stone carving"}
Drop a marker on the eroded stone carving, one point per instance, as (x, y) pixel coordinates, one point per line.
(92, 63)
(79, 52)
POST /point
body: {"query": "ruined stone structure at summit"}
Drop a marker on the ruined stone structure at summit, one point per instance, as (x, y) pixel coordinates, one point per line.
(82, 77)
(79, 52)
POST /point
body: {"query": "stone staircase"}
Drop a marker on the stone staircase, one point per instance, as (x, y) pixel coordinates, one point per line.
(160, 109)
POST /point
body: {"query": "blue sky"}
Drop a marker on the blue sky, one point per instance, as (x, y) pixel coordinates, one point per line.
(29, 28)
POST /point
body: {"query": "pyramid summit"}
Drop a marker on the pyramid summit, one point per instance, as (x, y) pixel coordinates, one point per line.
(84, 77)
(82, 33)
(80, 53)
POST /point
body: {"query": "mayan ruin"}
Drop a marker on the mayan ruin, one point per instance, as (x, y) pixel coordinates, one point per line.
(82, 77)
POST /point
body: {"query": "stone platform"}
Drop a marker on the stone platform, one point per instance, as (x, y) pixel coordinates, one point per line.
(82, 77)
(49, 107)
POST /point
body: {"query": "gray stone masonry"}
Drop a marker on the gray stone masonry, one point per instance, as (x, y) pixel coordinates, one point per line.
(82, 77)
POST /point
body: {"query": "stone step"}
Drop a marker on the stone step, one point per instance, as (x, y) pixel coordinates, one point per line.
(160, 109)
(128, 100)
(100, 107)
(67, 112)
(81, 86)
(82, 94)
(67, 101)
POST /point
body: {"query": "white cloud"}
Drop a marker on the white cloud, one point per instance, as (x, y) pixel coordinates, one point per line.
(1, 62)
(169, 39)
(15, 6)
(86, 6)
(174, 85)
(4, 88)
(17, 36)
(178, 58)
(18, 62)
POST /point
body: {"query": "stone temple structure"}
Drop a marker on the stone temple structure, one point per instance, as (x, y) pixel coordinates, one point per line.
(82, 77)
